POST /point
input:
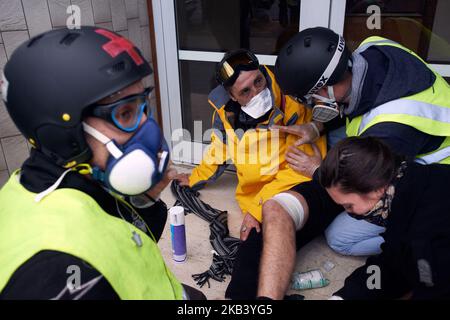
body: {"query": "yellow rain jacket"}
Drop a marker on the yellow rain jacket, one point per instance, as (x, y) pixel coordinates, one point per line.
(258, 154)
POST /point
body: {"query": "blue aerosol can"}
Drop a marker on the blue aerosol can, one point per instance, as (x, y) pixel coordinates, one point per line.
(178, 233)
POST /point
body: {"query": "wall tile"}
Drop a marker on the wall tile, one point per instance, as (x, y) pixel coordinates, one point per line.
(58, 12)
(16, 152)
(119, 15)
(149, 81)
(2, 160)
(132, 8)
(146, 46)
(7, 127)
(134, 32)
(3, 58)
(13, 39)
(4, 176)
(106, 25)
(143, 12)
(11, 15)
(124, 33)
(37, 16)
(102, 11)
(87, 15)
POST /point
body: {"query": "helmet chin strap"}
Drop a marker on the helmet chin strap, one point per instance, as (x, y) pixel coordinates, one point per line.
(82, 168)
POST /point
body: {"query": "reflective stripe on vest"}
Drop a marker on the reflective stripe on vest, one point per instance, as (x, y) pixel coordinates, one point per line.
(367, 43)
(427, 111)
(407, 107)
(436, 156)
(70, 221)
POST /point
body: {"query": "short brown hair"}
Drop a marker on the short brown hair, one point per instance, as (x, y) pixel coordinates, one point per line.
(359, 165)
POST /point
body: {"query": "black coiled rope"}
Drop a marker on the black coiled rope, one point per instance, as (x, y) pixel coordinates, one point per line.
(225, 247)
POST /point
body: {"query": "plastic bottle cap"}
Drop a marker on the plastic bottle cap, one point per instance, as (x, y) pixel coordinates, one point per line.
(176, 210)
(176, 215)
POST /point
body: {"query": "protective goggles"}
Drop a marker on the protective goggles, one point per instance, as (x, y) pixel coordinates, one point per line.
(126, 114)
(228, 69)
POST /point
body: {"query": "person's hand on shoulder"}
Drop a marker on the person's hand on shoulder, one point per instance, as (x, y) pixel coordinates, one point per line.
(303, 163)
(307, 132)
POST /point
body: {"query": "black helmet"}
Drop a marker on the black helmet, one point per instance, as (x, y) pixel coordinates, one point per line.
(311, 59)
(53, 77)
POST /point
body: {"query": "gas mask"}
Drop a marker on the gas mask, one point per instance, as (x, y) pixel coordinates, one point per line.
(259, 104)
(326, 109)
(133, 168)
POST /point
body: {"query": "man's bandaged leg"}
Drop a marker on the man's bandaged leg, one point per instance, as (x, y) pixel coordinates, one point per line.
(293, 207)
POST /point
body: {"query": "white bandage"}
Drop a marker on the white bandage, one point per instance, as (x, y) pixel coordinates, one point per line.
(293, 207)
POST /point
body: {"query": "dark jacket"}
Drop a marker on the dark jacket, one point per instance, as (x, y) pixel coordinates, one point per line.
(391, 74)
(416, 253)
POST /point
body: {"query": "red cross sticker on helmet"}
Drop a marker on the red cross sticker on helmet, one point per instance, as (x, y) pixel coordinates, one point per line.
(119, 44)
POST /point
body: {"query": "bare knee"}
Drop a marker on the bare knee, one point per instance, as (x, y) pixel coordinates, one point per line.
(272, 211)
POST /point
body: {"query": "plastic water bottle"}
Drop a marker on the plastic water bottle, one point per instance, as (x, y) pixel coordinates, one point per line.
(308, 280)
(178, 233)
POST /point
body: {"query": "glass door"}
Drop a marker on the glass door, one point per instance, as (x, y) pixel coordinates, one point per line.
(193, 35)
(420, 25)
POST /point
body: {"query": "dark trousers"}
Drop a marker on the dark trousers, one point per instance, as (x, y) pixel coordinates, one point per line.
(322, 211)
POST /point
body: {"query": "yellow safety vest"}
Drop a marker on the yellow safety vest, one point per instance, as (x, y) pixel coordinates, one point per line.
(427, 111)
(70, 221)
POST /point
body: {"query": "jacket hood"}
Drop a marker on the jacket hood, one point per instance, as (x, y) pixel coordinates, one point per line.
(383, 75)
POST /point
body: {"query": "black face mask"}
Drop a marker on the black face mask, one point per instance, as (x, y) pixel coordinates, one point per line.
(380, 213)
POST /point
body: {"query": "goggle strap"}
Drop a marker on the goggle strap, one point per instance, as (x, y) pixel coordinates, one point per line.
(110, 145)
